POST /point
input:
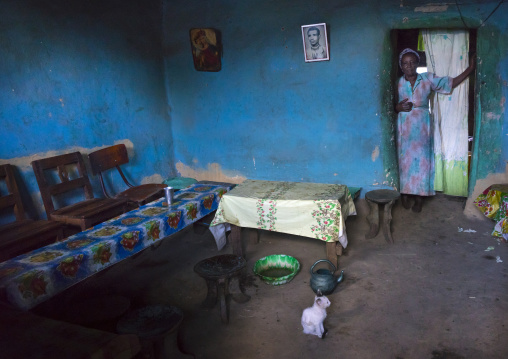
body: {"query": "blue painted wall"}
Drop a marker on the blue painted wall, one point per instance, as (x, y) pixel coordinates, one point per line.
(78, 75)
(269, 115)
(81, 75)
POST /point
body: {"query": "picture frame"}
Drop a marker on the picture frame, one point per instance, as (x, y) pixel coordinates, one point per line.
(206, 46)
(315, 42)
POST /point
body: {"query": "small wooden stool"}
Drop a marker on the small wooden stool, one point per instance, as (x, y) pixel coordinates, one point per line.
(217, 271)
(157, 328)
(374, 199)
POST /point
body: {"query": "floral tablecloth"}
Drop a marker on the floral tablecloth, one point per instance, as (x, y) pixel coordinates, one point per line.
(493, 203)
(314, 210)
(34, 277)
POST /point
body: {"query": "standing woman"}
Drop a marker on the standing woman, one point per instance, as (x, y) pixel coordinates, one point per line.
(414, 141)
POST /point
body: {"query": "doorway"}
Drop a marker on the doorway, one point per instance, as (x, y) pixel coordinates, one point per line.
(410, 38)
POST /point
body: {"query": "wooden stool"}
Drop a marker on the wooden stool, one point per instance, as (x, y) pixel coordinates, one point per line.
(157, 328)
(374, 199)
(217, 271)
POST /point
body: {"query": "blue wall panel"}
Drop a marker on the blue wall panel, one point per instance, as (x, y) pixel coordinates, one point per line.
(269, 115)
(80, 75)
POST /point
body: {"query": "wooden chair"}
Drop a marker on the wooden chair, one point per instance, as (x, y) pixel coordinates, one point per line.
(23, 235)
(115, 156)
(84, 214)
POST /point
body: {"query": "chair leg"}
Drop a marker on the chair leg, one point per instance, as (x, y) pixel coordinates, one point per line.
(373, 219)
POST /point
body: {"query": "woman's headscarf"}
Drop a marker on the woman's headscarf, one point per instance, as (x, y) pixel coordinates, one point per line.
(405, 51)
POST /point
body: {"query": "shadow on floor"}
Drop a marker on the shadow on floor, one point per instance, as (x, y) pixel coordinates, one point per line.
(435, 293)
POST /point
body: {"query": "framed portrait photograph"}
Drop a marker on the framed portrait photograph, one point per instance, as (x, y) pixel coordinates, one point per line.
(315, 42)
(206, 49)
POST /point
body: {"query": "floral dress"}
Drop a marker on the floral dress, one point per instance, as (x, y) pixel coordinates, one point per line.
(415, 134)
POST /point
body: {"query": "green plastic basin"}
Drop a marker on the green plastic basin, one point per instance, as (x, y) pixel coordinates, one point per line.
(276, 269)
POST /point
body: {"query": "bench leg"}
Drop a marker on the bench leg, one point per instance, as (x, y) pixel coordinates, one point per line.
(373, 219)
(387, 219)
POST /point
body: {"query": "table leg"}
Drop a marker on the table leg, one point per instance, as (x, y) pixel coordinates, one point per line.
(373, 219)
(331, 253)
(236, 240)
(338, 248)
(387, 219)
(252, 235)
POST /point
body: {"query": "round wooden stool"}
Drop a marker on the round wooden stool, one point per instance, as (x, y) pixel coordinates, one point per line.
(157, 328)
(374, 199)
(218, 271)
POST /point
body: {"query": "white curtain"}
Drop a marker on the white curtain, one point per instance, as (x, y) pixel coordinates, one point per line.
(447, 55)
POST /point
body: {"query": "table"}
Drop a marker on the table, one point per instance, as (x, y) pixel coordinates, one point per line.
(493, 203)
(313, 210)
(34, 277)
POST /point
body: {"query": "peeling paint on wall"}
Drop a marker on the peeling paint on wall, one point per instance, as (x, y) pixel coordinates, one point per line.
(492, 116)
(156, 178)
(488, 141)
(431, 8)
(212, 173)
(388, 117)
(24, 163)
(375, 154)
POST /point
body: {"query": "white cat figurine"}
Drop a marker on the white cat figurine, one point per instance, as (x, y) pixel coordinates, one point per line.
(313, 317)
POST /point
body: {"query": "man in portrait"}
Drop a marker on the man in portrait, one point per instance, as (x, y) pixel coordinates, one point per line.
(316, 50)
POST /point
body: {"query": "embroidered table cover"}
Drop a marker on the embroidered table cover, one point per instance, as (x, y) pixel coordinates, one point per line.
(493, 202)
(34, 277)
(312, 210)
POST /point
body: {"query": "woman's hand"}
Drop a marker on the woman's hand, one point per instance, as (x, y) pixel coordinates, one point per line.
(404, 106)
(472, 63)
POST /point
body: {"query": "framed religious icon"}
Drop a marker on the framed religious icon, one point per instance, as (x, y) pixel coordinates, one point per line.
(206, 49)
(315, 42)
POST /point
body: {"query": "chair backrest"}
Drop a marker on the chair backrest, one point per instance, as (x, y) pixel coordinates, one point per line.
(13, 198)
(107, 158)
(61, 163)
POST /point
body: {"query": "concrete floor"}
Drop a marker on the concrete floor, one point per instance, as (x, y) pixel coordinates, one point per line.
(437, 293)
